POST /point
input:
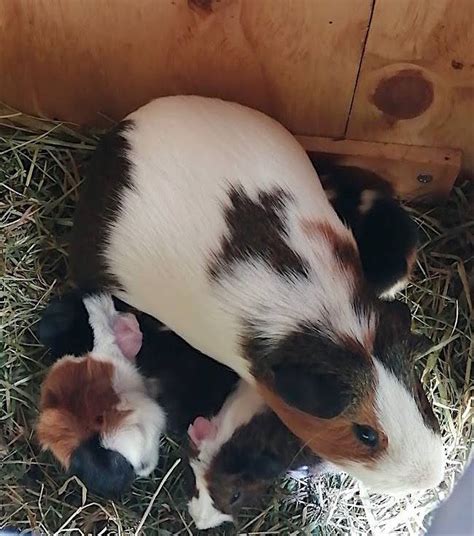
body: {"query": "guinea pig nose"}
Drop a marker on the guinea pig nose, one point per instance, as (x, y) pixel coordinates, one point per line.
(104, 472)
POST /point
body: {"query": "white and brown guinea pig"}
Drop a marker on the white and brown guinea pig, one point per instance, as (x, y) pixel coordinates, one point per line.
(184, 384)
(210, 217)
(96, 413)
(237, 454)
(386, 235)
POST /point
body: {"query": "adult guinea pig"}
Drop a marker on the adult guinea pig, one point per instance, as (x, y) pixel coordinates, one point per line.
(185, 384)
(386, 235)
(238, 454)
(210, 217)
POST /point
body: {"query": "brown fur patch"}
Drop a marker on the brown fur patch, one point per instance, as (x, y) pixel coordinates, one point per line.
(332, 439)
(77, 401)
(345, 250)
(257, 229)
(257, 454)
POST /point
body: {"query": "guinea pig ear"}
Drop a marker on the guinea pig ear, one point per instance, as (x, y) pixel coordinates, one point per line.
(128, 335)
(200, 430)
(322, 394)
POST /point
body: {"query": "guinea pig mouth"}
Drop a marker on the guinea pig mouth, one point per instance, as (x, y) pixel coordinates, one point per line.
(105, 472)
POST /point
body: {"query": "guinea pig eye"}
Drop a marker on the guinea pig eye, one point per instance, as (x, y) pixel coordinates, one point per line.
(235, 497)
(366, 435)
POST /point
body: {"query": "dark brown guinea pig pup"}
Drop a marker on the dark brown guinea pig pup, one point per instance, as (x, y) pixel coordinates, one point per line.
(237, 454)
(386, 235)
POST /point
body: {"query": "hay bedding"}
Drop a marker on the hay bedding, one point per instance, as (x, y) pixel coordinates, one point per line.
(40, 168)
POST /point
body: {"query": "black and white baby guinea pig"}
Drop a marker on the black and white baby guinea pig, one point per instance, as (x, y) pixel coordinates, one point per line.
(83, 397)
(386, 235)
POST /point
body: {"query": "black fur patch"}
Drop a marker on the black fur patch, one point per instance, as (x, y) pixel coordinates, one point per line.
(257, 229)
(349, 181)
(108, 176)
(64, 326)
(103, 471)
(386, 235)
(191, 384)
(189, 481)
(341, 374)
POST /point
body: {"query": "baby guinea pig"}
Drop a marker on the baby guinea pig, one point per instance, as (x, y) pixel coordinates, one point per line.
(386, 235)
(238, 454)
(184, 385)
(96, 414)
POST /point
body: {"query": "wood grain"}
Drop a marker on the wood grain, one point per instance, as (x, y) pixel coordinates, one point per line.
(416, 85)
(416, 173)
(76, 59)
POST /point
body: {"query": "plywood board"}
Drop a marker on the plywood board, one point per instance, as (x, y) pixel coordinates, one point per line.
(294, 59)
(415, 173)
(416, 85)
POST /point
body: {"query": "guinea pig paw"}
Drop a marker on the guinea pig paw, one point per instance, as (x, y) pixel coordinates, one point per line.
(201, 430)
(146, 467)
(128, 335)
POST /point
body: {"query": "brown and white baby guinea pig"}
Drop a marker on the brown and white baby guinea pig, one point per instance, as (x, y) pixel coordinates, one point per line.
(238, 454)
(80, 403)
(386, 235)
(100, 415)
(97, 415)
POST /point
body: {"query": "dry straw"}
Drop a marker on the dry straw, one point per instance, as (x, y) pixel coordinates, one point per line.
(40, 169)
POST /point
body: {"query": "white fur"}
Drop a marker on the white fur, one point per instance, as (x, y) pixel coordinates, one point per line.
(239, 408)
(138, 436)
(367, 199)
(415, 457)
(185, 152)
(390, 293)
(205, 515)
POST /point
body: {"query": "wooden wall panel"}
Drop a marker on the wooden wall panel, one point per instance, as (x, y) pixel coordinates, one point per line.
(294, 59)
(416, 84)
